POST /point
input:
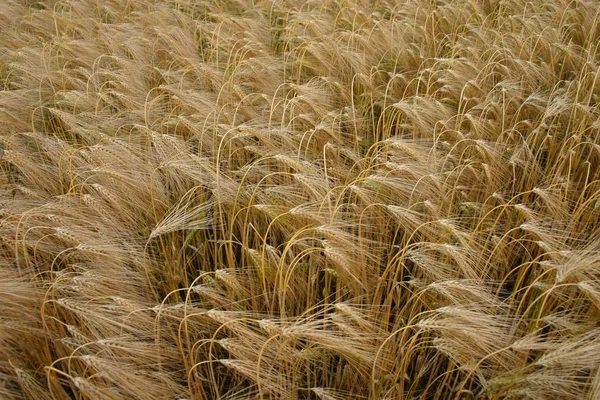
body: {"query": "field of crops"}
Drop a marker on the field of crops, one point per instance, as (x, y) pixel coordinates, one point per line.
(290, 199)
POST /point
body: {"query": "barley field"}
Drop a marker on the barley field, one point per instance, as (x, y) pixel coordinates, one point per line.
(291, 199)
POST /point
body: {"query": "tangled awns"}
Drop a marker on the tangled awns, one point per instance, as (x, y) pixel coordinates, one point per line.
(285, 199)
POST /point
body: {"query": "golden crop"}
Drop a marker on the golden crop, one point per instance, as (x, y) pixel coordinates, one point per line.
(284, 199)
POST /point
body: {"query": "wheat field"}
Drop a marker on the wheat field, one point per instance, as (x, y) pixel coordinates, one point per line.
(285, 199)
